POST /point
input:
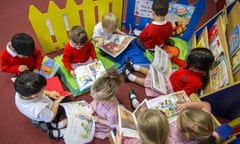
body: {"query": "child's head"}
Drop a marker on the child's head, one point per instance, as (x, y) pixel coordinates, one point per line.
(200, 59)
(106, 86)
(153, 126)
(197, 125)
(23, 44)
(160, 7)
(109, 22)
(78, 35)
(29, 83)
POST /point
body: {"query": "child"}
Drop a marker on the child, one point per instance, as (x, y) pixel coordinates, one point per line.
(194, 125)
(35, 103)
(79, 50)
(153, 128)
(157, 32)
(104, 29)
(105, 102)
(21, 55)
(189, 77)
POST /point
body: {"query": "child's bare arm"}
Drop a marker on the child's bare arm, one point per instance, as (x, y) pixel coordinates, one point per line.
(201, 105)
(99, 41)
(120, 32)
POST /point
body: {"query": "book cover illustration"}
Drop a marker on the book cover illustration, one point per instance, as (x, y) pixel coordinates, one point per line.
(235, 60)
(49, 67)
(87, 74)
(178, 14)
(116, 44)
(168, 103)
(234, 40)
(80, 127)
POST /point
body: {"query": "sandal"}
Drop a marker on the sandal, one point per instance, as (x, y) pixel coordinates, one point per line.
(52, 136)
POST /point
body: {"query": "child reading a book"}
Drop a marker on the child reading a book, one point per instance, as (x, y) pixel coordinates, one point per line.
(105, 102)
(35, 103)
(190, 77)
(104, 30)
(153, 128)
(79, 50)
(159, 30)
(194, 125)
(21, 55)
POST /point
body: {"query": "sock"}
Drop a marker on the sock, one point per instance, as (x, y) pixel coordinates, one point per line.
(55, 133)
(130, 76)
(60, 125)
(134, 100)
(136, 67)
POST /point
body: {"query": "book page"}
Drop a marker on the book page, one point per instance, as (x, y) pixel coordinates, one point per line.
(80, 127)
(83, 77)
(127, 122)
(168, 103)
(116, 44)
(158, 81)
(97, 69)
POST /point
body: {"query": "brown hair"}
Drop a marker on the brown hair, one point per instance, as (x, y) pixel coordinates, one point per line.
(78, 35)
(110, 21)
(198, 125)
(153, 127)
(160, 7)
(106, 86)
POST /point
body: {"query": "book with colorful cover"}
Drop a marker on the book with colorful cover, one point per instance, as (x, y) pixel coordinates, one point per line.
(165, 103)
(234, 40)
(87, 74)
(235, 60)
(80, 127)
(116, 44)
(49, 67)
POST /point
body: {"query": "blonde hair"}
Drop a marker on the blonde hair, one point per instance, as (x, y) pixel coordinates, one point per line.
(78, 35)
(106, 86)
(110, 21)
(153, 127)
(198, 125)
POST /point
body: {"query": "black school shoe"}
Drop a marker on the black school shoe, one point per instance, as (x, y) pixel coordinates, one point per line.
(129, 65)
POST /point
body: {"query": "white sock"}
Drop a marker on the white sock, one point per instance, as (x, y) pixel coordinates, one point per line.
(61, 124)
(55, 133)
(134, 101)
(136, 67)
(130, 76)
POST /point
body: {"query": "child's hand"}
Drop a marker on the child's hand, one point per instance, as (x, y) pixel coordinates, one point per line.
(53, 94)
(100, 42)
(59, 99)
(73, 73)
(36, 70)
(180, 107)
(22, 68)
(119, 137)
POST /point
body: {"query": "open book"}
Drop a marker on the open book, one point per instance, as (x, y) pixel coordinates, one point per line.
(166, 103)
(87, 74)
(80, 127)
(116, 44)
(160, 69)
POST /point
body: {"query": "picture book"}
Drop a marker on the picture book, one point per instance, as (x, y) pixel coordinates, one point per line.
(235, 60)
(178, 14)
(87, 74)
(160, 69)
(49, 67)
(234, 40)
(80, 126)
(54, 84)
(165, 103)
(219, 75)
(116, 44)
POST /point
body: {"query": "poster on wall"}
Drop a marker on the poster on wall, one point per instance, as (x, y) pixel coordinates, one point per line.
(178, 14)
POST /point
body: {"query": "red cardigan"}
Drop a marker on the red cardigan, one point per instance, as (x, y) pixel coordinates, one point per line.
(73, 55)
(11, 63)
(154, 34)
(184, 79)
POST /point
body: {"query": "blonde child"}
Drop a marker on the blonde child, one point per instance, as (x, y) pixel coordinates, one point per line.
(104, 29)
(21, 55)
(105, 102)
(159, 30)
(194, 125)
(79, 50)
(190, 77)
(153, 128)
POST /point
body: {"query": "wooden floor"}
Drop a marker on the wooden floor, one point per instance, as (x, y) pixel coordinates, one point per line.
(14, 127)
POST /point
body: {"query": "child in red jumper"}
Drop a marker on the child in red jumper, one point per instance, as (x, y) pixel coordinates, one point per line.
(21, 55)
(190, 77)
(79, 50)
